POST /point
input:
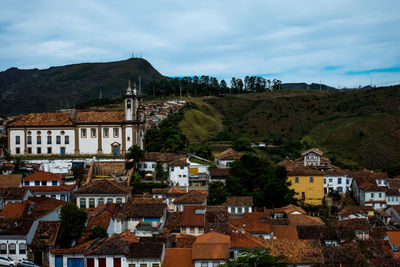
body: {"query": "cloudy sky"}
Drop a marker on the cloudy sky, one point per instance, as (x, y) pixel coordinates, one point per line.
(341, 42)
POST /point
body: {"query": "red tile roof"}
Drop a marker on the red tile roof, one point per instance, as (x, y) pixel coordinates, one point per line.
(301, 219)
(78, 249)
(181, 257)
(394, 237)
(316, 150)
(58, 188)
(10, 180)
(244, 240)
(288, 232)
(193, 197)
(191, 218)
(212, 246)
(229, 154)
(43, 176)
(105, 187)
(294, 169)
(14, 210)
(91, 117)
(43, 119)
(239, 201)
(46, 233)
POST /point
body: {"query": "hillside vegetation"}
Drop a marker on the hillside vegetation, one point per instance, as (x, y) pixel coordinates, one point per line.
(355, 126)
(23, 91)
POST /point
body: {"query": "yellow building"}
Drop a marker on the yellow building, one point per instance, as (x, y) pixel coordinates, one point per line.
(307, 182)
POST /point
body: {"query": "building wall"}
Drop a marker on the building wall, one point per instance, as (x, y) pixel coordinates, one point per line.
(222, 163)
(179, 176)
(332, 183)
(197, 263)
(313, 191)
(195, 230)
(17, 241)
(239, 209)
(96, 199)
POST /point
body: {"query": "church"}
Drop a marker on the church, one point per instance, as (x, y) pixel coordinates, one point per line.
(80, 133)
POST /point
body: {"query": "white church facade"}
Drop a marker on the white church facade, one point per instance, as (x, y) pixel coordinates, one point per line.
(80, 132)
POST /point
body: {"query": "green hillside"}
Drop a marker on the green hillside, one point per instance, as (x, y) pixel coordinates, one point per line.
(360, 126)
(23, 91)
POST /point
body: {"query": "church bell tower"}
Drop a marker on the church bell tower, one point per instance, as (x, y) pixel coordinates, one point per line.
(131, 103)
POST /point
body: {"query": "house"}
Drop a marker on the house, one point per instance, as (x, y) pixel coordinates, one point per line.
(49, 185)
(178, 172)
(372, 195)
(150, 160)
(354, 212)
(313, 157)
(132, 213)
(43, 242)
(224, 158)
(239, 205)
(193, 220)
(394, 240)
(102, 191)
(394, 213)
(258, 144)
(307, 182)
(338, 180)
(75, 256)
(210, 249)
(220, 174)
(10, 180)
(146, 254)
(360, 227)
(189, 199)
(199, 175)
(256, 224)
(14, 195)
(80, 132)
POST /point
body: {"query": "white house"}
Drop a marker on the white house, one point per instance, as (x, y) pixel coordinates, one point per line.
(178, 172)
(337, 181)
(239, 205)
(223, 159)
(80, 132)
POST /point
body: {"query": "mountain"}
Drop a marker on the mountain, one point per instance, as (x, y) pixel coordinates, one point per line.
(352, 126)
(23, 91)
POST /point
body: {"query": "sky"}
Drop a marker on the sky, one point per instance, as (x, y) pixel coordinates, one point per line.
(342, 43)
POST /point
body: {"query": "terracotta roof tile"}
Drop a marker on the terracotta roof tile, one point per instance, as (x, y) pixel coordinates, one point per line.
(179, 162)
(244, 240)
(193, 197)
(104, 186)
(178, 257)
(239, 201)
(220, 172)
(356, 224)
(131, 209)
(43, 176)
(146, 250)
(316, 150)
(301, 219)
(229, 154)
(348, 210)
(10, 180)
(14, 210)
(185, 241)
(90, 117)
(46, 233)
(162, 157)
(394, 183)
(394, 237)
(173, 222)
(16, 193)
(252, 224)
(293, 208)
(285, 232)
(43, 119)
(193, 216)
(78, 249)
(21, 226)
(58, 188)
(216, 220)
(211, 246)
(294, 169)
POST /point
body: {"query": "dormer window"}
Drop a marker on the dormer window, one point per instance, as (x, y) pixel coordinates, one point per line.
(128, 103)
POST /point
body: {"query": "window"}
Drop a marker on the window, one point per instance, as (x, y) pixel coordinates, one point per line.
(330, 180)
(49, 140)
(3, 248)
(82, 203)
(22, 248)
(91, 202)
(324, 181)
(128, 103)
(44, 183)
(145, 165)
(116, 132)
(49, 150)
(26, 183)
(296, 180)
(119, 200)
(143, 265)
(100, 201)
(155, 265)
(380, 195)
(37, 183)
(39, 150)
(132, 265)
(39, 140)
(54, 183)
(339, 189)
(58, 140)
(215, 263)
(109, 200)
(29, 140)
(12, 248)
(17, 150)
(83, 133)
(347, 181)
(153, 165)
(204, 264)
(93, 132)
(172, 169)
(339, 180)
(372, 195)
(303, 195)
(29, 150)
(311, 179)
(53, 196)
(191, 229)
(105, 132)
(17, 140)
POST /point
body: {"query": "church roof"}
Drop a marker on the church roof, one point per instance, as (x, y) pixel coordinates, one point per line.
(99, 117)
(44, 119)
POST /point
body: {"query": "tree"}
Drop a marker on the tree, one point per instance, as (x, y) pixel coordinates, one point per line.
(73, 221)
(98, 232)
(18, 164)
(77, 172)
(256, 258)
(216, 193)
(161, 174)
(241, 144)
(134, 153)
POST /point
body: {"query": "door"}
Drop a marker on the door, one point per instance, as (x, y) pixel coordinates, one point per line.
(37, 257)
(75, 262)
(90, 262)
(102, 262)
(117, 262)
(59, 261)
(115, 151)
(62, 151)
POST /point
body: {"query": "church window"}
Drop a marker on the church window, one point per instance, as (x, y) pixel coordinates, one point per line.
(100, 201)
(62, 132)
(66, 139)
(38, 133)
(29, 140)
(109, 200)
(39, 140)
(83, 133)
(17, 150)
(17, 140)
(93, 132)
(39, 150)
(116, 132)
(128, 103)
(49, 150)
(49, 140)
(58, 140)
(129, 139)
(119, 200)
(105, 132)
(48, 132)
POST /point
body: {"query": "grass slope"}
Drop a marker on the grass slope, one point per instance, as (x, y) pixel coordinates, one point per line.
(351, 126)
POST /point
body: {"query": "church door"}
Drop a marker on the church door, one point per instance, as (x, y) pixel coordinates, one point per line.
(115, 150)
(62, 151)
